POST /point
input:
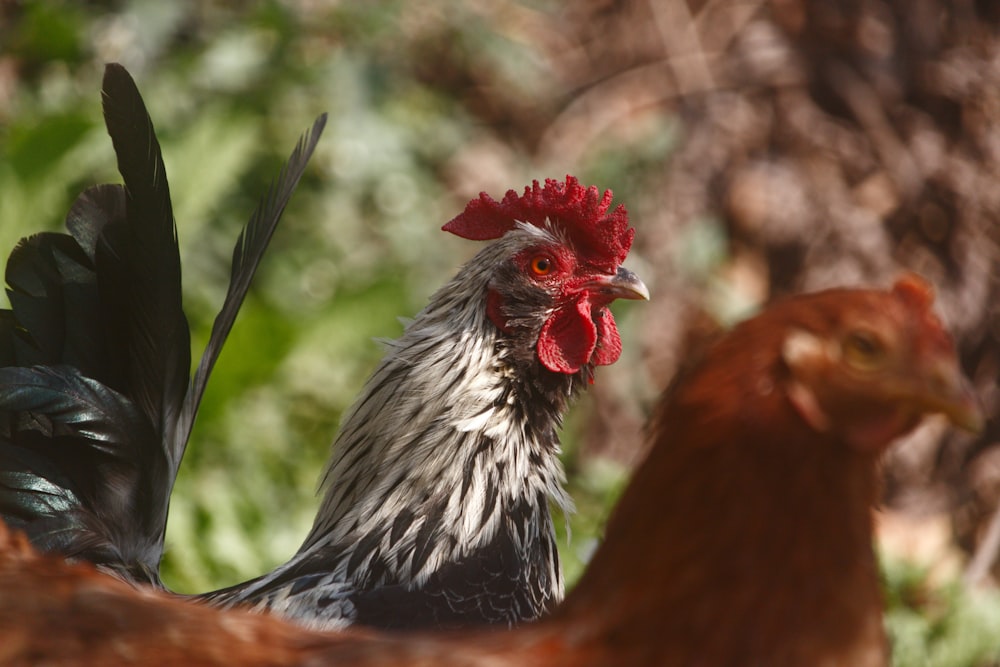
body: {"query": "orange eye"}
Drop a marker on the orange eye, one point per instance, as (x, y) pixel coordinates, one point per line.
(541, 265)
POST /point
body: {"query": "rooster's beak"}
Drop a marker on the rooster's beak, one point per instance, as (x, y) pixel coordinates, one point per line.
(623, 285)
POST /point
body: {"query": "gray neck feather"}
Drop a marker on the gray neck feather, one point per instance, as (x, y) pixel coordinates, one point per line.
(458, 412)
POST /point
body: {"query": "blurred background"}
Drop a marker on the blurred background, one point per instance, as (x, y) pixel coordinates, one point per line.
(761, 147)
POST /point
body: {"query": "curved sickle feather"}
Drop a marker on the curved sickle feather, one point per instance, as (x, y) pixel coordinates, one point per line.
(249, 250)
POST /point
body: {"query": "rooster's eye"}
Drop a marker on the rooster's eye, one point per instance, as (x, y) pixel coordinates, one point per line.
(863, 349)
(541, 265)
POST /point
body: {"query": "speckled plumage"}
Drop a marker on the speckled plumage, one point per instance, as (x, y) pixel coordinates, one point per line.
(450, 494)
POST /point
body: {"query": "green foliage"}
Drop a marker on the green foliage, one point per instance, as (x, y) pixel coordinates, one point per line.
(939, 625)
(49, 31)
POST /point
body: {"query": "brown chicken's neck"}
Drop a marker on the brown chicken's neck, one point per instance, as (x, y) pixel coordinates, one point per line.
(736, 562)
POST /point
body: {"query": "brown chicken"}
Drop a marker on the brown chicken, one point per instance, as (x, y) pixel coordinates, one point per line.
(745, 538)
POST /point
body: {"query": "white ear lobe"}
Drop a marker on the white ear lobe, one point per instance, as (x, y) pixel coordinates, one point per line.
(803, 351)
(801, 347)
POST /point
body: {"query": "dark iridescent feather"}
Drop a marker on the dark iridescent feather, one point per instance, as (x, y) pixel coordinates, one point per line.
(138, 261)
(92, 211)
(52, 288)
(95, 406)
(8, 338)
(61, 428)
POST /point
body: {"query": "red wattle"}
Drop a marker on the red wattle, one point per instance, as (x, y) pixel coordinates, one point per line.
(568, 338)
(609, 343)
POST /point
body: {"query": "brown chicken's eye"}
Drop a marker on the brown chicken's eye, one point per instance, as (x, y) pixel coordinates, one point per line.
(541, 265)
(863, 349)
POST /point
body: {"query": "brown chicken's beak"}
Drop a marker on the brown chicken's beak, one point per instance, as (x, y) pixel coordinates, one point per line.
(948, 392)
(623, 285)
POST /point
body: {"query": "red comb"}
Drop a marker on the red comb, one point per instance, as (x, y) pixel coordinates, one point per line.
(582, 213)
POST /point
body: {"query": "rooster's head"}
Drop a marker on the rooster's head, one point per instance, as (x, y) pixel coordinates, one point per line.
(559, 267)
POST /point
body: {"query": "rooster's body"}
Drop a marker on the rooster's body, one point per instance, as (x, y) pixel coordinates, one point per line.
(436, 511)
(440, 516)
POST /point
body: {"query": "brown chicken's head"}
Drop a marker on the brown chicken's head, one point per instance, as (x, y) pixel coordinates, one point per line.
(870, 368)
(557, 269)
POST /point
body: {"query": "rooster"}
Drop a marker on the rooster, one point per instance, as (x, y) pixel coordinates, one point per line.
(744, 538)
(436, 504)
(436, 510)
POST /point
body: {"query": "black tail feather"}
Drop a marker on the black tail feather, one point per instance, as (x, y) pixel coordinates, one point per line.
(59, 429)
(98, 351)
(53, 290)
(98, 207)
(95, 401)
(138, 262)
(249, 250)
(8, 338)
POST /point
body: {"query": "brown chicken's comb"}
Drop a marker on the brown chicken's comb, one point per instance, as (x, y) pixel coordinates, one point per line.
(914, 290)
(603, 238)
(918, 296)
